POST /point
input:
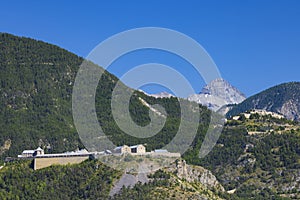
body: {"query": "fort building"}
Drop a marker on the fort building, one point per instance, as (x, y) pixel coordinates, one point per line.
(138, 149)
(122, 149)
(31, 153)
(42, 160)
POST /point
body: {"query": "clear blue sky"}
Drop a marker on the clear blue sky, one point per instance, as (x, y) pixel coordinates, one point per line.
(255, 44)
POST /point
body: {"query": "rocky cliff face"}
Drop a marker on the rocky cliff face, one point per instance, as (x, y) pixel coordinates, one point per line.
(195, 174)
(217, 94)
(290, 109)
(182, 171)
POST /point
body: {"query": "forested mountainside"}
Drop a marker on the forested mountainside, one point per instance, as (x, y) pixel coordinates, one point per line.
(36, 88)
(36, 109)
(256, 158)
(93, 180)
(88, 180)
(283, 99)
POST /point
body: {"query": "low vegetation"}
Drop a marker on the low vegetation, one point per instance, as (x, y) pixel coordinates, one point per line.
(256, 165)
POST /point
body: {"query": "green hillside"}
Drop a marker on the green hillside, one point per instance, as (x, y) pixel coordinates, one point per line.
(88, 180)
(35, 96)
(35, 102)
(91, 180)
(259, 156)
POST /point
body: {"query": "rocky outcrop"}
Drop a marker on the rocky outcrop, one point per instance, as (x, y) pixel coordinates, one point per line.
(290, 109)
(195, 174)
(180, 169)
(128, 180)
(6, 146)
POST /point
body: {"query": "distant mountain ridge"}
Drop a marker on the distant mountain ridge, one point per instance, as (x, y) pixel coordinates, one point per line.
(217, 94)
(283, 99)
(162, 95)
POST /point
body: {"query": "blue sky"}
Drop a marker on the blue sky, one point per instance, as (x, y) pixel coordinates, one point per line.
(255, 44)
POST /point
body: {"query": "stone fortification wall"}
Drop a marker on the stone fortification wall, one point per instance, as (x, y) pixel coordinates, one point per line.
(40, 163)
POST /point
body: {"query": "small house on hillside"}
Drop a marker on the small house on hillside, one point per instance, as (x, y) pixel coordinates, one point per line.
(140, 149)
(32, 153)
(122, 149)
(38, 151)
(27, 153)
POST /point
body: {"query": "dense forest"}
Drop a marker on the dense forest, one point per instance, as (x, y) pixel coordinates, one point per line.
(88, 180)
(35, 105)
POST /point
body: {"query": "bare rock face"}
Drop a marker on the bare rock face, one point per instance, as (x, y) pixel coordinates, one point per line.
(218, 93)
(290, 109)
(196, 174)
(128, 180)
(6, 146)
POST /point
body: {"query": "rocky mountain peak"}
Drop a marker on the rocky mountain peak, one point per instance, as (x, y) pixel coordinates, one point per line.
(223, 89)
(218, 93)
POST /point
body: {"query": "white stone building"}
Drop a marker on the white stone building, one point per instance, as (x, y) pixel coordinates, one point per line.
(31, 153)
(122, 149)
